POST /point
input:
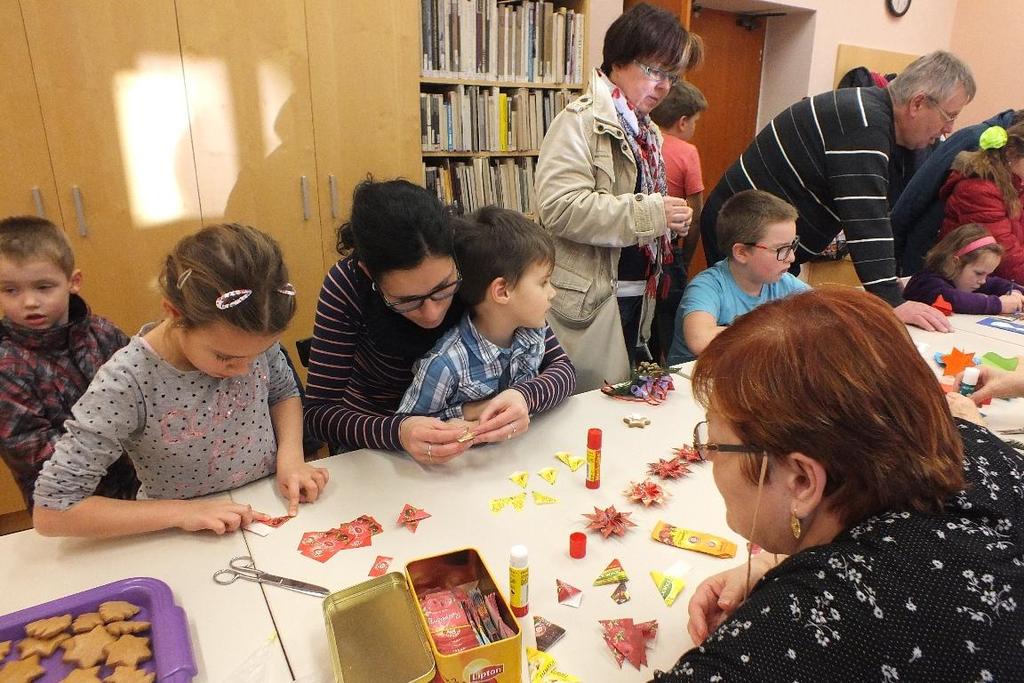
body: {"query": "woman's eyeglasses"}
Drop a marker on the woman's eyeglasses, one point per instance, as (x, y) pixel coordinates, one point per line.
(781, 253)
(704, 448)
(656, 74)
(407, 304)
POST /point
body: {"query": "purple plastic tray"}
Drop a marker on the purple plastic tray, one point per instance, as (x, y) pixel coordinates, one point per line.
(172, 648)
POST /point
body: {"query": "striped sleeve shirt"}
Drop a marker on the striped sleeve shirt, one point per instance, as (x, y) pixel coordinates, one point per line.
(354, 388)
(831, 156)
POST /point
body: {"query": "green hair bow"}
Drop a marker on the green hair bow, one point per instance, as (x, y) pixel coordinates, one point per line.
(994, 137)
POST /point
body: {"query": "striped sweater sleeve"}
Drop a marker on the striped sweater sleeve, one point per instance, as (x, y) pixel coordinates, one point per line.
(331, 411)
(556, 380)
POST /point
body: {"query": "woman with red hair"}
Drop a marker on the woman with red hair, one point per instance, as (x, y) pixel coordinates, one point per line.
(898, 529)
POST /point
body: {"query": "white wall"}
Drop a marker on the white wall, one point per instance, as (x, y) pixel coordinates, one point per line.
(989, 35)
(602, 14)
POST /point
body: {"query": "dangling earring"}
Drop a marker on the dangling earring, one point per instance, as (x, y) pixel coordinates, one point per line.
(794, 524)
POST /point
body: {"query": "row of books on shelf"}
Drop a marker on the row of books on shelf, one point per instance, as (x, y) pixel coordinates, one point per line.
(485, 119)
(497, 41)
(469, 185)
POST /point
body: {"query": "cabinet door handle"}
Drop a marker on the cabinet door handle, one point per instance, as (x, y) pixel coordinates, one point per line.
(76, 196)
(37, 197)
(304, 186)
(332, 183)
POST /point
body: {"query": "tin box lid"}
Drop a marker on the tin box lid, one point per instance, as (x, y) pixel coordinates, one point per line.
(375, 634)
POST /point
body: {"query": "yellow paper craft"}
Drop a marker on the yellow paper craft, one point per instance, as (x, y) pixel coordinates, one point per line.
(668, 586)
(543, 668)
(540, 499)
(548, 474)
(519, 478)
(571, 461)
(498, 504)
(517, 501)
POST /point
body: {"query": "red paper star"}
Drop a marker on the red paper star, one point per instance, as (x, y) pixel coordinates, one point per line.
(647, 492)
(669, 469)
(610, 522)
(687, 453)
(956, 361)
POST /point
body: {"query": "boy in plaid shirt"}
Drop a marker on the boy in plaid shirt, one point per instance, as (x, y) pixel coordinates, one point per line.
(505, 263)
(50, 348)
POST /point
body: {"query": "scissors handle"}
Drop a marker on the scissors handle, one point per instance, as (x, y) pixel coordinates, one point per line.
(226, 576)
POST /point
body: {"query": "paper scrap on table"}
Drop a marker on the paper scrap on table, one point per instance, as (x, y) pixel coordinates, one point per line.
(568, 595)
(571, 461)
(547, 633)
(621, 595)
(323, 545)
(613, 573)
(517, 501)
(548, 474)
(265, 527)
(410, 517)
(629, 641)
(544, 669)
(540, 499)
(519, 478)
(670, 582)
(380, 566)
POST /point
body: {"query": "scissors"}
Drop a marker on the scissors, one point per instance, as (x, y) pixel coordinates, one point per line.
(244, 568)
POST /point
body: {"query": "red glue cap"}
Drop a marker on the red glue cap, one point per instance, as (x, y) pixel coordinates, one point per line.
(577, 545)
(594, 438)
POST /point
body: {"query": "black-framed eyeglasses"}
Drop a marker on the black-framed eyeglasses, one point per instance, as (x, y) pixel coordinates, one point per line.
(704, 447)
(656, 74)
(946, 116)
(781, 253)
(407, 304)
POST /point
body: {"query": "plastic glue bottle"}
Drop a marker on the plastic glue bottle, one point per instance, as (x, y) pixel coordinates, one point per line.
(969, 381)
(519, 580)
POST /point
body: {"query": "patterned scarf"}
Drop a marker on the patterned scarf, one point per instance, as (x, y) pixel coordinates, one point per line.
(650, 166)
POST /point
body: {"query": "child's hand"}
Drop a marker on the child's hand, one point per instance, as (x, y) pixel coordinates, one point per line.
(218, 516)
(1012, 302)
(505, 416)
(300, 482)
(430, 441)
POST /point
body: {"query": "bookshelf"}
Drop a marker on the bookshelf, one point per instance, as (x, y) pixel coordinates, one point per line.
(494, 74)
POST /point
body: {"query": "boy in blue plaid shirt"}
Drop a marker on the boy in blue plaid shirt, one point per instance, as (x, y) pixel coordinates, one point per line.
(505, 262)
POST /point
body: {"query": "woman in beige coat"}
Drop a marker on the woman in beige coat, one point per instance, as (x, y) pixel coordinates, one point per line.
(601, 191)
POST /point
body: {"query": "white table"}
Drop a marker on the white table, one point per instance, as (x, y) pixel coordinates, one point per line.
(230, 627)
(969, 323)
(457, 495)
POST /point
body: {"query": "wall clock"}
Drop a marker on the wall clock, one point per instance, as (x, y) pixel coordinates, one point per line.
(897, 8)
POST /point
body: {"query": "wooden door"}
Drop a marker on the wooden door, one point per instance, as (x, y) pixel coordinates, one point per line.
(730, 78)
(113, 106)
(247, 75)
(26, 179)
(365, 66)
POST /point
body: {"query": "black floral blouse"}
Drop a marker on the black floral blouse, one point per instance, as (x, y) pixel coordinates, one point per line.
(903, 596)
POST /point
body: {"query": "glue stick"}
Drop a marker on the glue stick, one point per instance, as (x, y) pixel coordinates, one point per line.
(518, 581)
(969, 381)
(594, 458)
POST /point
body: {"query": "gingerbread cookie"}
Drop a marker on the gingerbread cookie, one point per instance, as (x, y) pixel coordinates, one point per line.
(44, 647)
(88, 649)
(128, 650)
(119, 628)
(22, 670)
(84, 623)
(48, 628)
(126, 674)
(5, 647)
(117, 610)
(90, 675)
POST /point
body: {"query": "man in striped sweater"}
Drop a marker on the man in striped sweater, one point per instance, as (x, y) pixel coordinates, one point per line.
(833, 155)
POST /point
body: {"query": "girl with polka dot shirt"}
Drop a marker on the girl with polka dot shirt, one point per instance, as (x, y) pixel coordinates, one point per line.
(202, 402)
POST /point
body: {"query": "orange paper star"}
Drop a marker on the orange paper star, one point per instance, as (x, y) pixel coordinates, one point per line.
(940, 304)
(956, 361)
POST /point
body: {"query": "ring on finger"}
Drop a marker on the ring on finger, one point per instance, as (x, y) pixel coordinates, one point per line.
(430, 457)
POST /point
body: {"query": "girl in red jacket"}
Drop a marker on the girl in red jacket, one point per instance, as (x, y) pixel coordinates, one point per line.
(987, 187)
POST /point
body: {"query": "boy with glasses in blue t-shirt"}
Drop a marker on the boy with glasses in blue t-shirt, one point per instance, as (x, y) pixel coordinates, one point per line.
(758, 231)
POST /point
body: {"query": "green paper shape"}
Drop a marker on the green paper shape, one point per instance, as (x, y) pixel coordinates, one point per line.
(994, 360)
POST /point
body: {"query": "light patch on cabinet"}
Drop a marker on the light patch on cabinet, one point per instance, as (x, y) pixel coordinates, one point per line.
(275, 89)
(214, 134)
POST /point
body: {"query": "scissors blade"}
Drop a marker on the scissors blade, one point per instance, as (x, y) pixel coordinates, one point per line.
(297, 586)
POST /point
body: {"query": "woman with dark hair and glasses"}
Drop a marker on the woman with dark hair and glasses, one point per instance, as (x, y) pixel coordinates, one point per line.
(893, 532)
(383, 307)
(602, 193)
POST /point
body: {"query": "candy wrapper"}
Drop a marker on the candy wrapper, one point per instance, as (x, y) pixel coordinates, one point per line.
(547, 633)
(323, 545)
(621, 595)
(669, 469)
(609, 522)
(698, 541)
(650, 383)
(410, 517)
(613, 573)
(647, 492)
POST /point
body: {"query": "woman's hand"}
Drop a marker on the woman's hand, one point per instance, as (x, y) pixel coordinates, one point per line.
(300, 482)
(964, 408)
(505, 416)
(677, 215)
(219, 516)
(993, 383)
(719, 595)
(430, 441)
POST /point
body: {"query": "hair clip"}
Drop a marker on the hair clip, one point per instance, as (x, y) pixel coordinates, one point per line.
(288, 289)
(994, 137)
(232, 298)
(183, 277)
